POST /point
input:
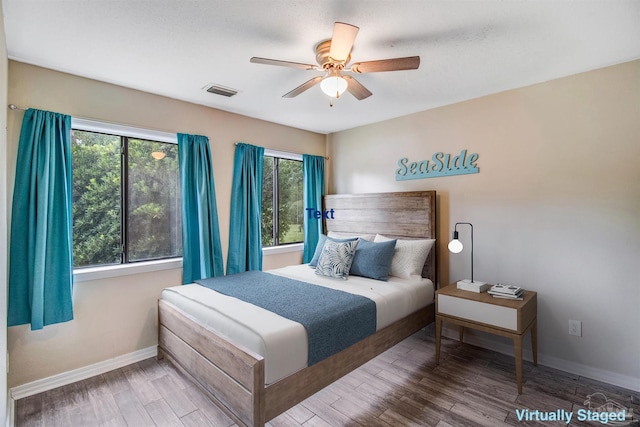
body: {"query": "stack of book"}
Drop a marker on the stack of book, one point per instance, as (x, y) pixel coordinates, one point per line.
(507, 291)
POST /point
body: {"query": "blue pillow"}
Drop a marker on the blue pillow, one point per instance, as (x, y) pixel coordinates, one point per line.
(323, 238)
(372, 259)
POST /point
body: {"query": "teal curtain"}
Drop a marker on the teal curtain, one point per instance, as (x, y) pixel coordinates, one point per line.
(245, 239)
(41, 251)
(201, 248)
(313, 190)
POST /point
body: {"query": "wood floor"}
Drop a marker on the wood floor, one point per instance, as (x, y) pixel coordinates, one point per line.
(401, 387)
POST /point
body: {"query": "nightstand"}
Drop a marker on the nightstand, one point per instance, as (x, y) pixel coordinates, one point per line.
(507, 318)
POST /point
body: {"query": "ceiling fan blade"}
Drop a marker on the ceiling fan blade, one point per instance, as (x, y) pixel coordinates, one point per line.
(342, 40)
(267, 61)
(356, 89)
(304, 86)
(396, 64)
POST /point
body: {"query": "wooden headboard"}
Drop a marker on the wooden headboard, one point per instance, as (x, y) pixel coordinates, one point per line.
(406, 215)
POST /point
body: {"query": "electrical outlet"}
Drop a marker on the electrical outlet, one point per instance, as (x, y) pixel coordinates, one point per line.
(575, 328)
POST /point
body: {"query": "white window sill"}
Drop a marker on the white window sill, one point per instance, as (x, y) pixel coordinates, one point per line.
(282, 249)
(105, 272)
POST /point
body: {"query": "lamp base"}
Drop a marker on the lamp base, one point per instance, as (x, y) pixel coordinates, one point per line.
(468, 285)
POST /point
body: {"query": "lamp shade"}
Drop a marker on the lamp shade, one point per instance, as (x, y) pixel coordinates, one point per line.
(333, 86)
(455, 246)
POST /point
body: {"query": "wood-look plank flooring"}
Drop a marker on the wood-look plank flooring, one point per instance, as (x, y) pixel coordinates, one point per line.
(401, 387)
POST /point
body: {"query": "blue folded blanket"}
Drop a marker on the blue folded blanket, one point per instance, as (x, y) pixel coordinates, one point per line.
(334, 319)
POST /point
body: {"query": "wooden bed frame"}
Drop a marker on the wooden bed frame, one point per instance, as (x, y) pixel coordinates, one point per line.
(233, 376)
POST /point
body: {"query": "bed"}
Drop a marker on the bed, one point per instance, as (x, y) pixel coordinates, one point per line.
(233, 372)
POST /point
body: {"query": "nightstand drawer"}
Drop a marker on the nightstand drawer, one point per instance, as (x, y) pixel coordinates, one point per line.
(476, 311)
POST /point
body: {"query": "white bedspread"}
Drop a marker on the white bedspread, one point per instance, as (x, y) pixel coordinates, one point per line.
(282, 342)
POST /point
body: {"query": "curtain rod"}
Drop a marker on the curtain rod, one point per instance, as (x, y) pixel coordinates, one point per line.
(15, 107)
(94, 125)
(284, 151)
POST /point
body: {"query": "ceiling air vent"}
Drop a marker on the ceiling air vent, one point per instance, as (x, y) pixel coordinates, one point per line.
(220, 90)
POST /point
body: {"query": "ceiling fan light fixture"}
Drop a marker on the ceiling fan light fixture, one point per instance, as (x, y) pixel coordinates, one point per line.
(333, 85)
(333, 56)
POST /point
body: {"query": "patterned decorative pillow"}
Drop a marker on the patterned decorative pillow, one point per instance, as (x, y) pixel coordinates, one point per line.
(336, 258)
(409, 256)
(320, 245)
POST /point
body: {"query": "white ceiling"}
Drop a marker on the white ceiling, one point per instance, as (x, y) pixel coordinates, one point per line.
(467, 49)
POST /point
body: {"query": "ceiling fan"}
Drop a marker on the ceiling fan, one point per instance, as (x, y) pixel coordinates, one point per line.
(333, 56)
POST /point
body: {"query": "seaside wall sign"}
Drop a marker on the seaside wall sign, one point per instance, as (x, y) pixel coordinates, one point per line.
(441, 164)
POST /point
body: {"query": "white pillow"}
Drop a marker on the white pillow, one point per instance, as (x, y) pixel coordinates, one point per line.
(409, 256)
(341, 235)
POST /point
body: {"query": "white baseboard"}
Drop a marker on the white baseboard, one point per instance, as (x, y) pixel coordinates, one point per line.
(80, 374)
(73, 376)
(597, 374)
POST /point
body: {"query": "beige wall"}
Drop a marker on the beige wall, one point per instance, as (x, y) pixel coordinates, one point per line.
(555, 207)
(280, 260)
(117, 316)
(3, 219)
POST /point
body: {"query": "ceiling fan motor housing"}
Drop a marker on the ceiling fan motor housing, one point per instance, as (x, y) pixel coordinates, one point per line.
(323, 58)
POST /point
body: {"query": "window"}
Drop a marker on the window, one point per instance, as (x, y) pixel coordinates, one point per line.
(126, 198)
(282, 204)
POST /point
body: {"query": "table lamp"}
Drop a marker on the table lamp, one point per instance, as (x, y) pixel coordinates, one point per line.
(455, 246)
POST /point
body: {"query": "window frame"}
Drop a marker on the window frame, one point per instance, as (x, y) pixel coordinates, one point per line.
(285, 247)
(124, 268)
